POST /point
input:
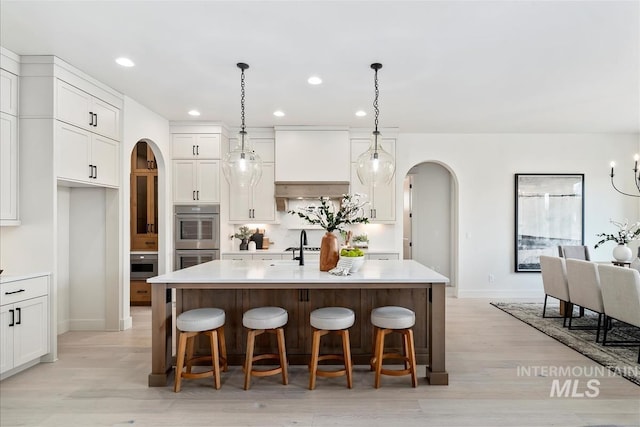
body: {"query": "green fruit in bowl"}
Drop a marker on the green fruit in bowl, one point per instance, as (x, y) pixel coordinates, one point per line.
(351, 252)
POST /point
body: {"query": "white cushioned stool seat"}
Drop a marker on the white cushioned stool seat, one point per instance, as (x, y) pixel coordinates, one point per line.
(392, 317)
(190, 324)
(200, 319)
(387, 320)
(332, 318)
(265, 318)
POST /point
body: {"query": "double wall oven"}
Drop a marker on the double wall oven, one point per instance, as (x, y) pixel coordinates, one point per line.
(197, 234)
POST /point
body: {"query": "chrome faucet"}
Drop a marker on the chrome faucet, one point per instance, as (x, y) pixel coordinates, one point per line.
(303, 241)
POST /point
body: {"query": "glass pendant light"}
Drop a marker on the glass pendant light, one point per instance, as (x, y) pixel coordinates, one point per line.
(242, 167)
(375, 166)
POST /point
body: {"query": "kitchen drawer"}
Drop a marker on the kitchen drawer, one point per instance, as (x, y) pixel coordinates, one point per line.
(21, 290)
(140, 293)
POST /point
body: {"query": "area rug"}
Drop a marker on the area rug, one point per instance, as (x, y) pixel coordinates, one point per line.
(620, 359)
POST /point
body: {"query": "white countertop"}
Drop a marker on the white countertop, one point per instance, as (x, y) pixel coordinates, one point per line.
(283, 252)
(15, 278)
(288, 271)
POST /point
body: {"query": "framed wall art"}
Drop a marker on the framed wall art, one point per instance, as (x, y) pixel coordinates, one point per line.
(549, 211)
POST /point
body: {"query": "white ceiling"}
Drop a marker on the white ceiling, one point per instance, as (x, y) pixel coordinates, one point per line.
(448, 66)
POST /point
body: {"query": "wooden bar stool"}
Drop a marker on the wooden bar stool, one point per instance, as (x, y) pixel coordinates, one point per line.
(324, 321)
(209, 322)
(385, 321)
(258, 321)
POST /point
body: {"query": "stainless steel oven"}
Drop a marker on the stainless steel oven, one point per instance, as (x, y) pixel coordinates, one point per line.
(197, 234)
(197, 227)
(143, 265)
(190, 257)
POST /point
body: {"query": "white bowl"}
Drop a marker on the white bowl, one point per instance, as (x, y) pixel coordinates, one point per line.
(356, 262)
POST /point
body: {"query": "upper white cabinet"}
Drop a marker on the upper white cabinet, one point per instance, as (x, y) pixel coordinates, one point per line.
(382, 198)
(195, 146)
(81, 109)
(196, 181)
(8, 168)
(256, 204)
(9, 159)
(8, 93)
(85, 157)
(196, 165)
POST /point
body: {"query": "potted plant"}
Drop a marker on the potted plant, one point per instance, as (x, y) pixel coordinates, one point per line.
(625, 234)
(243, 234)
(331, 218)
(361, 241)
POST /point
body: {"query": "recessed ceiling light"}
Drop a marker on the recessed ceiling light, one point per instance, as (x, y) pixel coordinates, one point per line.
(361, 113)
(125, 62)
(314, 80)
(194, 113)
(278, 113)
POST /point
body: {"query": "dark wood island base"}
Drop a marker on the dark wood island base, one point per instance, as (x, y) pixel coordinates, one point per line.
(426, 297)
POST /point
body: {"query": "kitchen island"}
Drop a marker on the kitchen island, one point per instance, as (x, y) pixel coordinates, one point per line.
(236, 286)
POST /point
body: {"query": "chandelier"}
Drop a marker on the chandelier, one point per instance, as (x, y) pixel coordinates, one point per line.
(375, 166)
(241, 166)
(636, 177)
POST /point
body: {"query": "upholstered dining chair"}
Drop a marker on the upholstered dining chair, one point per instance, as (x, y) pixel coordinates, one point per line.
(574, 251)
(621, 298)
(554, 281)
(584, 287)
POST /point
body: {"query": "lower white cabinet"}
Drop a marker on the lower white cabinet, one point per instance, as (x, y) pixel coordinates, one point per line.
(8, 168)
(24, 322)
(384, 256)
(251, 256)
(196, 181)
(86, 157)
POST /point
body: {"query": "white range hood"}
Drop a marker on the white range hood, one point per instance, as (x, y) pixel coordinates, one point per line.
(310, 163)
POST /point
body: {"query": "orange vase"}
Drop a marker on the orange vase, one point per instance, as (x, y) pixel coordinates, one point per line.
(329, 252)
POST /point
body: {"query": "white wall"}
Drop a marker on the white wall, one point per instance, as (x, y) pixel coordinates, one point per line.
(141, 123)
(432, 217)
(484, 166)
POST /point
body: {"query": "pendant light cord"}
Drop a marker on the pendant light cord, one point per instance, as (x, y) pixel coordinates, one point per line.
(376, 66)
(242, 67)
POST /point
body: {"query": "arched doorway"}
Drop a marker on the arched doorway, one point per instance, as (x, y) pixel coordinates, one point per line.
(144, 221)
(430, 224)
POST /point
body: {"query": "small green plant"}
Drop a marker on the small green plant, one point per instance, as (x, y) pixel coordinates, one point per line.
(243, 233)
(363, 238)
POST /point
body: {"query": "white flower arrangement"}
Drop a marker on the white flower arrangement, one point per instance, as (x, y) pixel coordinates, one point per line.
(626, 233)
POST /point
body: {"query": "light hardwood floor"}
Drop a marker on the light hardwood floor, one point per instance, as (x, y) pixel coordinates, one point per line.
(101, 379)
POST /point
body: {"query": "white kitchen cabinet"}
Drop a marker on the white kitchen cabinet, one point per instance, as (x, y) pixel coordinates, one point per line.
(196, 181)
(382, 198)
(195, 146)
(8, 169)
(8, 93)
(381, 208)
(76, 107)
(247, 256)
(257, 204)
(86, 157)
(384, 256)
(24, 323)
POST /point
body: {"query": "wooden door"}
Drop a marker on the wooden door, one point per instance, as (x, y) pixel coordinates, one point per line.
(144, 199)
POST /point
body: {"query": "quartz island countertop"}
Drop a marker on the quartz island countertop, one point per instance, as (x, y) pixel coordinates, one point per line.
(265, 272)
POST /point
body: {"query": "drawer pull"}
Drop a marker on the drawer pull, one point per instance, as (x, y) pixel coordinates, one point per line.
(14, 292)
